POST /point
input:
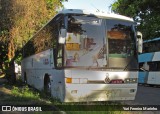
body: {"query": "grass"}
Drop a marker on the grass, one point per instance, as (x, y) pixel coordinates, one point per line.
(24, 92)
(21, 94)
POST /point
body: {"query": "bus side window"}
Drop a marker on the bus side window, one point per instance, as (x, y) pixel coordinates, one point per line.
(60, 56)
(59, 47)
(153, 66)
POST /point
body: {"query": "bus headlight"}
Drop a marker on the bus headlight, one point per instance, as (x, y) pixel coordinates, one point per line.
(77, 80)
(130, 80)
(83, 81)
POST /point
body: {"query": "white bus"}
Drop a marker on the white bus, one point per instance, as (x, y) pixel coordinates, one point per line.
(149, 61)
(84, 56)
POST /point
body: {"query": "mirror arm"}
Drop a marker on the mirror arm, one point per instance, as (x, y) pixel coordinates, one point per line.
(62, 36)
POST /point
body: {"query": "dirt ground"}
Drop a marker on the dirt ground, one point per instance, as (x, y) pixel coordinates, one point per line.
(2, 80)
(3, 90)
(5, 93)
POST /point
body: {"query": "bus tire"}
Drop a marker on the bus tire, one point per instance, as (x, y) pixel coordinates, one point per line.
(47, 86)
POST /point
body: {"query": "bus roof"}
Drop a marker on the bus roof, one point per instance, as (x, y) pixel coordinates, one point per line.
(98, 14)
(151, 40)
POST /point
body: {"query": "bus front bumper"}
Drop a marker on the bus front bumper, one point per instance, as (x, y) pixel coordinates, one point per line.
(99, 92)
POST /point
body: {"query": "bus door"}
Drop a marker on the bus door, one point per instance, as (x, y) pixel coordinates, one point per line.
(157, 73)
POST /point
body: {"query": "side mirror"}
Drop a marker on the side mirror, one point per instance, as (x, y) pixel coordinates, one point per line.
(62, 36)
(140, 42)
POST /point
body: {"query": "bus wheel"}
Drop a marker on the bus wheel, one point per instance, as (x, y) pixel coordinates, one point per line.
(47, 86)
(151, 85)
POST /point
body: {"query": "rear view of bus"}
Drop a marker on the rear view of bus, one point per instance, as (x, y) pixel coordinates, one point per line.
(99, 57)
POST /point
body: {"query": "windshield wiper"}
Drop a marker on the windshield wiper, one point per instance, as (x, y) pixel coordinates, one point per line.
(128, 65)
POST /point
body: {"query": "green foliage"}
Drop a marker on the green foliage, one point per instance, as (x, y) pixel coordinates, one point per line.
(145, 12)
(19, 21)
(25, 93)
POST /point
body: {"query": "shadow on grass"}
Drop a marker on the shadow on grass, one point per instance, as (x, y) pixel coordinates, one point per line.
(22, 95)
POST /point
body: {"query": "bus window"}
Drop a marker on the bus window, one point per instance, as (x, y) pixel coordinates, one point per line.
(85, 48)
(153, 66)
(60, 56)
(121, 39)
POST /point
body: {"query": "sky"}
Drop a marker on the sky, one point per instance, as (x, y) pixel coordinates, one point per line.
(101, 5)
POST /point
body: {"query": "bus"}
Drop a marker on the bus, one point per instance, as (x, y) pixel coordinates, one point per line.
(149, 62)
(81, 56)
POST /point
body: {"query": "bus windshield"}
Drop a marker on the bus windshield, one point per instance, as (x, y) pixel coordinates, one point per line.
(85, 42)
(121, 44)
(120, 37)
(95, 43)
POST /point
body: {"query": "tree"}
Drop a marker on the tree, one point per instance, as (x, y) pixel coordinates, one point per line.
(19, 21)
(145, 12)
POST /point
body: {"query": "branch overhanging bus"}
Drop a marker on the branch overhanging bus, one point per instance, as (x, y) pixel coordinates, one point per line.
(84, 56)
(149, 62)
